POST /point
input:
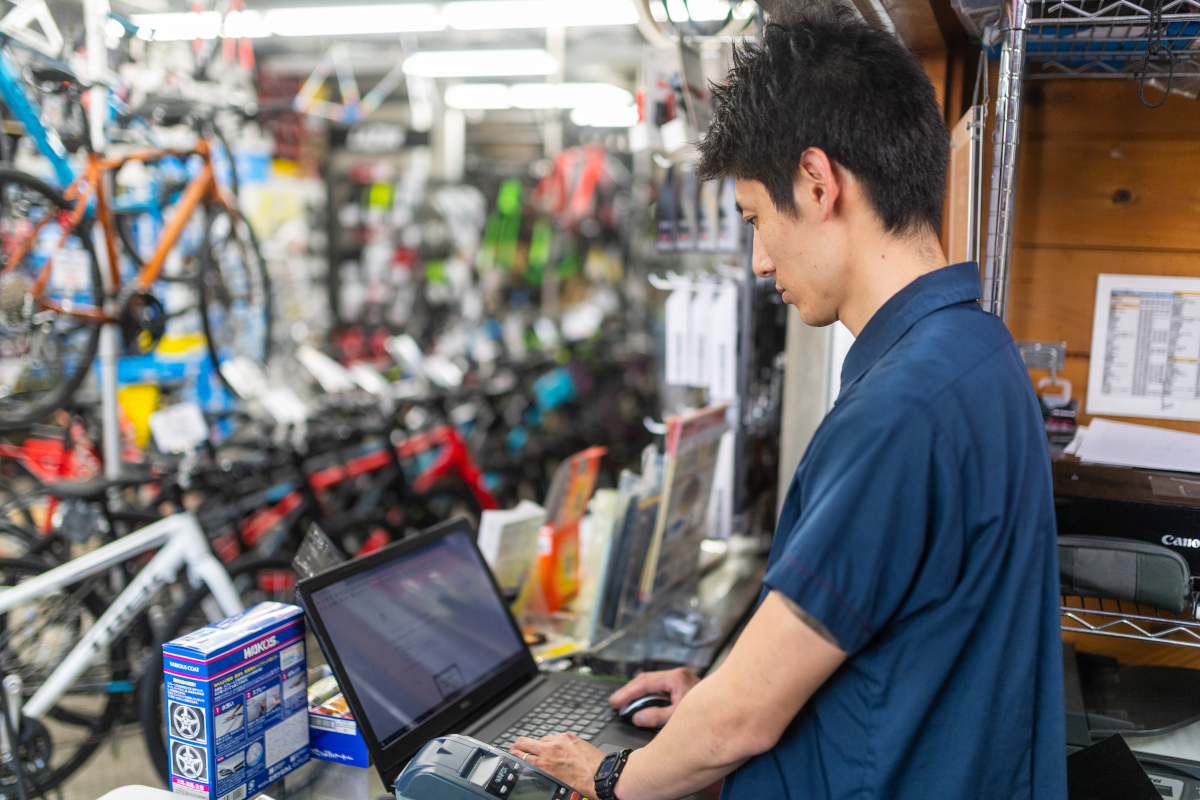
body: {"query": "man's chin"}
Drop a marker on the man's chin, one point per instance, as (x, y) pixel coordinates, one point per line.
(814, 318)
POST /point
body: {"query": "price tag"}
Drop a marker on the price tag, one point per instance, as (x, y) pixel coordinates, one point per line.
(178, 428)
(71, 270)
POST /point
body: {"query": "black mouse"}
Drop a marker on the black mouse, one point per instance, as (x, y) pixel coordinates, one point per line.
(656, 700)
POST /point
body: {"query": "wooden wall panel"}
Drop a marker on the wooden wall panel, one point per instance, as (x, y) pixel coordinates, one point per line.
(1052, 294)
(1083, 110)
(1084, 144)
(1105, 185)
(1109, 192)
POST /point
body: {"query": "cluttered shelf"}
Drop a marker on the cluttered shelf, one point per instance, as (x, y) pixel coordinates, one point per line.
(1101, 38)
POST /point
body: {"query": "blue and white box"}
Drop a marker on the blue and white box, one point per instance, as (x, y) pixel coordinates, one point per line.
(335, 737)
(237, 703)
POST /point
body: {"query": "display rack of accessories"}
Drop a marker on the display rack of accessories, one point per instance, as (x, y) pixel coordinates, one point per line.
(511, 321)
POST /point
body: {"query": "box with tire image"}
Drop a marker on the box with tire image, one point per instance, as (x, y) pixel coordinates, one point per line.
(232, 724)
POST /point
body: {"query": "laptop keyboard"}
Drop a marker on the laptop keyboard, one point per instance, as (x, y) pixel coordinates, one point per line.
(578, 707)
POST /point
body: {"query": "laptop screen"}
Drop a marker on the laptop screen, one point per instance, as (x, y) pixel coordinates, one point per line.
(417, 632)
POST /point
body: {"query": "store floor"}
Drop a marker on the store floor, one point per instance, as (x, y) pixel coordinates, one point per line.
(121, 761)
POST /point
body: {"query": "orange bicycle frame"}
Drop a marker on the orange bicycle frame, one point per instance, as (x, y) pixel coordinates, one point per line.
(201, 189)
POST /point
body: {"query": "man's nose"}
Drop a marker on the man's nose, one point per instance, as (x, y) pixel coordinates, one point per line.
(763, 266)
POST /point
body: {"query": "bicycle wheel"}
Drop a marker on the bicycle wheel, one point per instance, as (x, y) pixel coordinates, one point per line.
(235, 292)
(34, 639)
(44, 356)
(257, 579)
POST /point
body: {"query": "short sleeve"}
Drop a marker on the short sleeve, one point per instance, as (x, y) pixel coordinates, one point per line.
(868, 493)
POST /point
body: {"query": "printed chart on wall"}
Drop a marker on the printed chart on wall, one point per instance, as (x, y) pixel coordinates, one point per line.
(1145, 359)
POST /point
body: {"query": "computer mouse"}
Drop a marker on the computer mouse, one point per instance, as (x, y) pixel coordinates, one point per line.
(656, 700)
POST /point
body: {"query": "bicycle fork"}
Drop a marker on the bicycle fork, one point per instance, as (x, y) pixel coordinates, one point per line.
(12, 705)
(182, 544)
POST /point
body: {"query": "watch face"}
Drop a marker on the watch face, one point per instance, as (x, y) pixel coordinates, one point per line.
(606, 768)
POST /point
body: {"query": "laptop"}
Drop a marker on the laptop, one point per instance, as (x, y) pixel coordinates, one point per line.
(423, 644)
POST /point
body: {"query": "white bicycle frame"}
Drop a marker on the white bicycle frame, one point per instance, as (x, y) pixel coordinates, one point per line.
(182, 543)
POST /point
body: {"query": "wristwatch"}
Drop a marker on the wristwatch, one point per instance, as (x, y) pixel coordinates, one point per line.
(607, 774)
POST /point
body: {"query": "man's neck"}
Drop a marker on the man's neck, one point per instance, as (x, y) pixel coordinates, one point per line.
(882, 265)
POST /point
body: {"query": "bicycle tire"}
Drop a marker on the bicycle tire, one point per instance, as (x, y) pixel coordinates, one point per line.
(15, 413)
(150, 684)
(217, 283)
(96, 726)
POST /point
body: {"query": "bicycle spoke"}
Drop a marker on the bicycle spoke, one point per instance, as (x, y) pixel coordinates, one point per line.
(43, 355)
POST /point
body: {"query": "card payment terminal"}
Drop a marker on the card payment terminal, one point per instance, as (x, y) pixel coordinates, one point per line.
(458, 767)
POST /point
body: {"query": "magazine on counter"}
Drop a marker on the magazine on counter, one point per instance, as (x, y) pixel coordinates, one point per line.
(689, 464)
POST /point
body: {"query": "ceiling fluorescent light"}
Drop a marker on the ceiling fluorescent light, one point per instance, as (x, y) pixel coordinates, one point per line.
(698, 10)
(567, 95)
(392, 18)
(605, 116)
(350, 20)
(496, 14)
(316, 21)
(478, 96)
(482, 96)
(177, 27)
(479, 63)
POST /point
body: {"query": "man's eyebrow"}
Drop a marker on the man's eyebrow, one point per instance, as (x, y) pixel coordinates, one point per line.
(738, 206)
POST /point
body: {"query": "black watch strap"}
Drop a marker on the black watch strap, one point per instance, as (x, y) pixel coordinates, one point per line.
(608, 773)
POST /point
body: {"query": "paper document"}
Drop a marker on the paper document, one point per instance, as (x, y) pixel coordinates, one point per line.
(1145, 358)
(508, 541)
(1121, 443)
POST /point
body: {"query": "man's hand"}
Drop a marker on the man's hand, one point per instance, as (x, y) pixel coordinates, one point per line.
(565, 756)
(676, 682)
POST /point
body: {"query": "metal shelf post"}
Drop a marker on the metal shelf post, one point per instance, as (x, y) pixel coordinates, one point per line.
(1014, 24)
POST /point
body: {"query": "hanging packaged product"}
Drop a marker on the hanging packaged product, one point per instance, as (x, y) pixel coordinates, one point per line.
(678, 324)
(729, 237)
(237, 708)
(708, 215)
(664, 213)
(722, 323)
(685, 217)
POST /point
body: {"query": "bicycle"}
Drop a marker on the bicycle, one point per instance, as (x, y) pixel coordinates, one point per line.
(48, 643)
(52, 300)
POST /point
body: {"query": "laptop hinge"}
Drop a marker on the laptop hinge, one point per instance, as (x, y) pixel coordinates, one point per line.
(512, 693)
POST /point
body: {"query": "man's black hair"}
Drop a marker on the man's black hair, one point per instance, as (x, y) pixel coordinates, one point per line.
(821, 77)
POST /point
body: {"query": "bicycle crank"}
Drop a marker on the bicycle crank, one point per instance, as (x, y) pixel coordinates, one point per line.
(143, 321)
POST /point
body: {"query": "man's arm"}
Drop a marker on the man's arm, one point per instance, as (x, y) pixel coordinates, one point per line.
(731, 716)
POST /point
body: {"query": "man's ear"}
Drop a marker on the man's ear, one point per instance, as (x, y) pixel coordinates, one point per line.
(817, 185)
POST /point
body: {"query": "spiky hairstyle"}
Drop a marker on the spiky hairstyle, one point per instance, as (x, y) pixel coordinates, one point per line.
(823, 78)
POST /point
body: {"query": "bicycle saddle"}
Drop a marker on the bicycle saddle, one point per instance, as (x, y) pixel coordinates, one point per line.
(166, 111)
(95, 489)
(48, 73)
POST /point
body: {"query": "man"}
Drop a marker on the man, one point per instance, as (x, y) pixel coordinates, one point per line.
(907, 645)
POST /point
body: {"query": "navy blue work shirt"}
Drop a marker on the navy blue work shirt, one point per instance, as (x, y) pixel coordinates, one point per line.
(919, 530)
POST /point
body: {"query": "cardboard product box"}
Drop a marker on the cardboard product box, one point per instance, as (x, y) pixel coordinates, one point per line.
(334, 735)
(237, 703)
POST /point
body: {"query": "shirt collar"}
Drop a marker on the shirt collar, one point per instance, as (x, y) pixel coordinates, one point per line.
(943, 287)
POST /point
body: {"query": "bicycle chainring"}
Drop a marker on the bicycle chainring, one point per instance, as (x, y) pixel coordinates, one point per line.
(35, 751)
(143, 322)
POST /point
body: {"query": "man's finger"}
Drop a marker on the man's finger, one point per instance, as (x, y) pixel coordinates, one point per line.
(526, 745)
(643, 684)
(653, 717)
